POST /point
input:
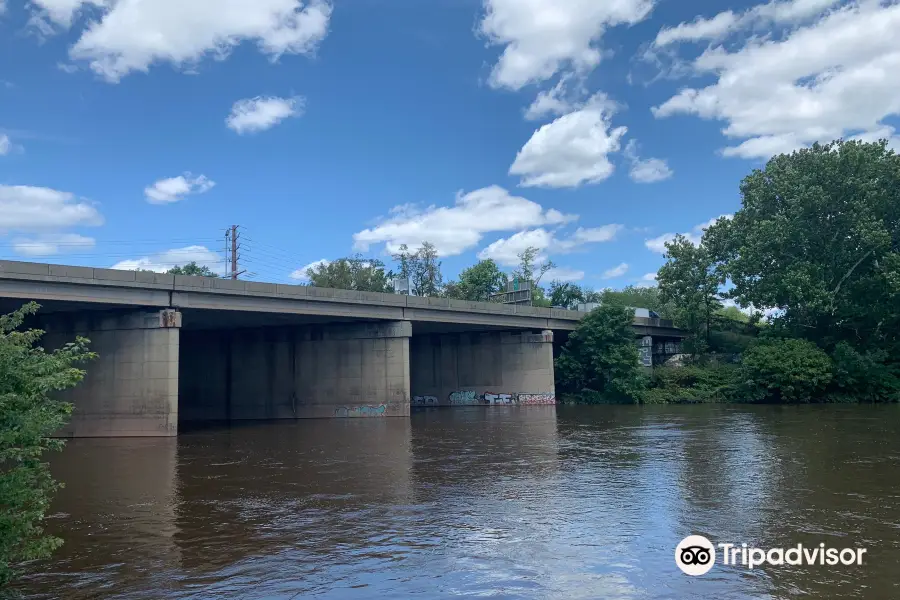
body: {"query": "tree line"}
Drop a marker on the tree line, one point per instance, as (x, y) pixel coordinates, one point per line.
(812, 257)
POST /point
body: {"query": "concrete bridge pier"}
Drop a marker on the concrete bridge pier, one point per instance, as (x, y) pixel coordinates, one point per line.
(484, 368)
(131, 389)
(333, 370)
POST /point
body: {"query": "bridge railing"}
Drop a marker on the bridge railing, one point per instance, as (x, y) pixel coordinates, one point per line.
(653, 322)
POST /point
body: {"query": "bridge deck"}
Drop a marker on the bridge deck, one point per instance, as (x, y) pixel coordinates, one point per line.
(61, 287)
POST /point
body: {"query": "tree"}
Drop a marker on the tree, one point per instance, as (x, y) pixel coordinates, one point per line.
(532, 273)
(405, 258)
(477, 283)
(818, 236)
(353, 273)
(600, 358)
(192, 268)
(690, 281)
(30, 412)
(565, 295)
(638, 297)
(425, 272)
(422, 268)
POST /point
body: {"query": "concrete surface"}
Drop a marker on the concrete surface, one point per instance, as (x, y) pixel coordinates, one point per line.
(482, 368)
(131, 389)
(301, 372)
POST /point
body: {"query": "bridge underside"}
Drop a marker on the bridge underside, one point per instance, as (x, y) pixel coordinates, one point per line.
(161, 369)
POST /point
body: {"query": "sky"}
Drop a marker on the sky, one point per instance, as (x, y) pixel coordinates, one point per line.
(134, 132)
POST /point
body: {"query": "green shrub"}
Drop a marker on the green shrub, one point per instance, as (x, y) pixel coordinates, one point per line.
(862, 377)
(693, 383)
(785, 370)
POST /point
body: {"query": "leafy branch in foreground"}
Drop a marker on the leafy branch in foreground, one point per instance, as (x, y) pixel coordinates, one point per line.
(30, 413)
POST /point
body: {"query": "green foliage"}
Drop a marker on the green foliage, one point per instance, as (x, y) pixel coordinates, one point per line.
(601, 357)
(637, 297)
(477, 283)
(694, 383)
(786, 370)
(422, 268)
(192, 268)
(565, 295)
(690, 282)
(29, 414)
(863, 376)
(818, 235)
(353, 273)
(529, 270)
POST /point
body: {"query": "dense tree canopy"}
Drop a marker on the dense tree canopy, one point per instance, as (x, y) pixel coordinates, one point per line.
(192, 268)
(477, 283)
(689, 282)
(600, 358)
(565, 295)
(818, 236)
(353, 273)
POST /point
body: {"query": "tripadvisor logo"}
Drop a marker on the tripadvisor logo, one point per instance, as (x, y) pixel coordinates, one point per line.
(696, 555)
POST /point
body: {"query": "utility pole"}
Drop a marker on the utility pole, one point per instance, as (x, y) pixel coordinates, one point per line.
(231, 250)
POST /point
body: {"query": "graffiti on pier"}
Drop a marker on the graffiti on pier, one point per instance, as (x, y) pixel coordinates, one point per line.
(490, 398)
(360, 411)
(464, 397)
(424, 401)
(545, 398)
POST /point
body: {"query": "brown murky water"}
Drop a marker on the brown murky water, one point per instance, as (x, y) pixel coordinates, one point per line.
(530, 502)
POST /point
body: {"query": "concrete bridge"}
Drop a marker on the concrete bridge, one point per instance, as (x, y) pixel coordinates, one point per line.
(177, 348)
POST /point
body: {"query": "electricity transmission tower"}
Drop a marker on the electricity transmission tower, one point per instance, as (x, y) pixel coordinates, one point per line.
(232, 255)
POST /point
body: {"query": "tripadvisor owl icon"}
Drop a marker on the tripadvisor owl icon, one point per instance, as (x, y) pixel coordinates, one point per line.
(695, 555)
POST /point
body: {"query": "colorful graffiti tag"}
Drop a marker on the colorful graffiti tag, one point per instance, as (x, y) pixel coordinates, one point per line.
(424, 401)
(360, 411)
(464, 397)
(537, 398)
(472, 398)
(490, 398)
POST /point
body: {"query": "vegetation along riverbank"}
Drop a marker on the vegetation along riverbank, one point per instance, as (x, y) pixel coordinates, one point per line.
(813, 259)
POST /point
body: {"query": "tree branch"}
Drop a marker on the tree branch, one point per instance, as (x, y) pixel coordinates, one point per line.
(847, 274)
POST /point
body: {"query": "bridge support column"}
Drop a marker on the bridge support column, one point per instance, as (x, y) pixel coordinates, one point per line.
(131, 389)
(495, 368)
(334, 370)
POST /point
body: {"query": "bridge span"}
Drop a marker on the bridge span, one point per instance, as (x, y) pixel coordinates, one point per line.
(179, 348)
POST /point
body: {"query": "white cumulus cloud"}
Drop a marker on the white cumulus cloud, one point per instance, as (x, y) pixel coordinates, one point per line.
(778, 12)
(258, 114)
(50, 244)
(300, 274)
(27, 208)
(163, 261)
(563, 274)
(645, 170)
(658, 244)
(173, 189)
(5, 144)
(132, 35)
(454, 229)
(647, 280)
(542, 38)
(616, 271)
(833, 76)
(505, 251)
(572, 150)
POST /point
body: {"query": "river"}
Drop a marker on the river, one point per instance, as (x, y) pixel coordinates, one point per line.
(506, 502)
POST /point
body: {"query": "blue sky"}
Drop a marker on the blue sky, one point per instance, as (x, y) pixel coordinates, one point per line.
(132, 133)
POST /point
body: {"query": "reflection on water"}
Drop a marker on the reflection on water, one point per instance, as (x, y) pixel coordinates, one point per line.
(513, 502)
